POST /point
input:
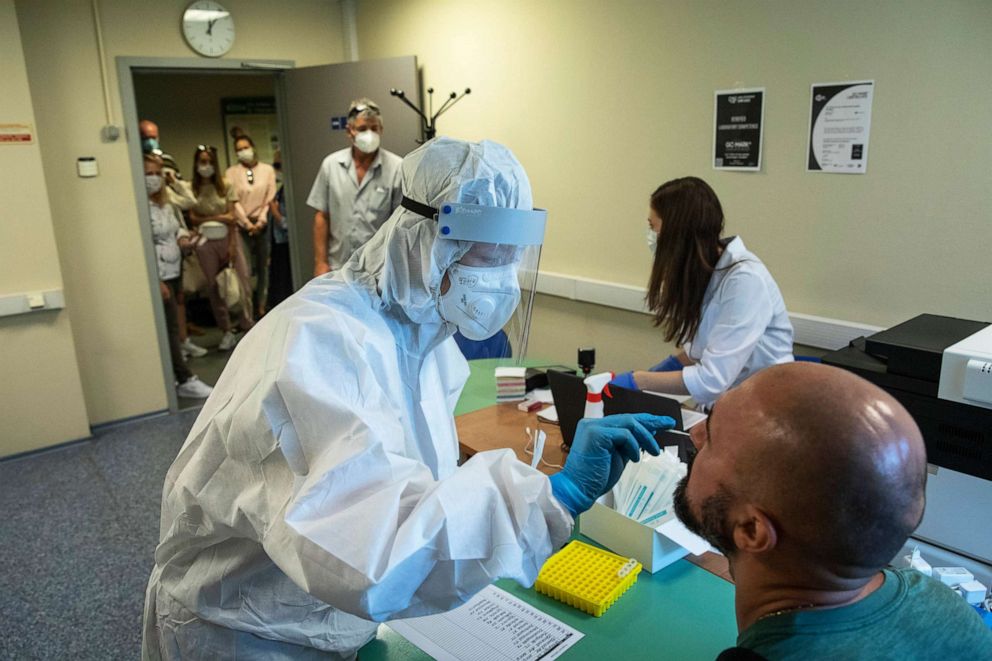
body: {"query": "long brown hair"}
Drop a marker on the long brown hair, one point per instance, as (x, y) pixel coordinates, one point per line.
(686, 256)
(217, 180)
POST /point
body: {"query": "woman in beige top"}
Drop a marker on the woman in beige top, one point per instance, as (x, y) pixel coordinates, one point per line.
(214, 215)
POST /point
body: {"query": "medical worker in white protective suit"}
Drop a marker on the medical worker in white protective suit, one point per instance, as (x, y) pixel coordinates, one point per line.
(318, 492)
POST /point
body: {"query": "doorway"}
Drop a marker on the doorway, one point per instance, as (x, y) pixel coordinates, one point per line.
(193, 108)
(298, 111)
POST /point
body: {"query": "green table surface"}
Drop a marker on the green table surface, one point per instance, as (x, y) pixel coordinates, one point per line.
(681, 612)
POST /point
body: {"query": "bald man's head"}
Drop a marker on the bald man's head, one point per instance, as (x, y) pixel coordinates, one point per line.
(836, 464)
(148, 129)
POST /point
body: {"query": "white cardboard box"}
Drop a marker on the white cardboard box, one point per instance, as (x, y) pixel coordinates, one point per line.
(655, 548)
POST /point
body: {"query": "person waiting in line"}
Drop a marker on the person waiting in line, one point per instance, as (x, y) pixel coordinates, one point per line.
(355, 190)
(710, 295)
(214, 215)
(181, 194)
(319, 490)
(280, 273)
(167, 232)
(178, 188)
(255, 185)
(810, 479)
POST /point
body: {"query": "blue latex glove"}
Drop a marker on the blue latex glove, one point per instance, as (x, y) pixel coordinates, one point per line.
(670, 364)
(600, 451)
(625, 380)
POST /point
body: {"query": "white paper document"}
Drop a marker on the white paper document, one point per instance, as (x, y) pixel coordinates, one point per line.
(492, 625)
(840, 123)
(549, 414)
(541, 395)
(681, 399)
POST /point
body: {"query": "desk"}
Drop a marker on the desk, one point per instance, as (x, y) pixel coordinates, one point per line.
(681, 612)
(502, 426)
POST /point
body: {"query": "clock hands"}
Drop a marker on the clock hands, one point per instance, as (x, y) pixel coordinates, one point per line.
(210, 27)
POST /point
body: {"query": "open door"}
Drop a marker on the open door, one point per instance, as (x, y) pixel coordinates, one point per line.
(313, 103)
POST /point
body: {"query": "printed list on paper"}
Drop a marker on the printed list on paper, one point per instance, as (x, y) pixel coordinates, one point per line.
(492, 625)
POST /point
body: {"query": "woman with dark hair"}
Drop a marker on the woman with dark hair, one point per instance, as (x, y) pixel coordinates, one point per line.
(214, 215)
(711, 296)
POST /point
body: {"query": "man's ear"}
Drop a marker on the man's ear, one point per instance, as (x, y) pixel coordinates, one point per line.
(754, 531)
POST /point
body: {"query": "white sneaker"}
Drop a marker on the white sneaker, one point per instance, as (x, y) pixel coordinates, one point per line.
(228, 341)
(194, 389)
(190, 349)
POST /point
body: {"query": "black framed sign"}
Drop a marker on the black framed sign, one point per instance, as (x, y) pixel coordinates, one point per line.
(738, 118)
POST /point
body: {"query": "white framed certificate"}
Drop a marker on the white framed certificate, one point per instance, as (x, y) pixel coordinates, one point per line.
(839, 127)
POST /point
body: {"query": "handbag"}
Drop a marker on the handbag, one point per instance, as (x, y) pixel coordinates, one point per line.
(194, 281)
(229, 287)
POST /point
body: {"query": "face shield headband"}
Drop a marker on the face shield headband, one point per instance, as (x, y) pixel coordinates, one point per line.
(483, 224)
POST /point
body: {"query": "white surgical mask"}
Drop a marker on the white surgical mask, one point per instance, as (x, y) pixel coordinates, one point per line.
(153, 183)
(480, 300)
(652, 241)
(367, 141)
(206, 171)
(246, 155)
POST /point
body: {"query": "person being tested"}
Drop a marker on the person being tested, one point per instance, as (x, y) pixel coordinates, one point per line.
(809, 479)
(318, 492)
(710, 295)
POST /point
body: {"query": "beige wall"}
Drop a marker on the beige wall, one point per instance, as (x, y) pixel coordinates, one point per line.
(603, 101)
(623, 340)
(37, 358)
(193, 117)
(99, 241)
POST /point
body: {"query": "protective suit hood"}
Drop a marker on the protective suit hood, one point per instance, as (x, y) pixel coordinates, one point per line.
(403, 264)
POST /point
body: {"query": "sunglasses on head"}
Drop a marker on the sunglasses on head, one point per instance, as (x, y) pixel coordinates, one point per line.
(362, 107)
(206, 148)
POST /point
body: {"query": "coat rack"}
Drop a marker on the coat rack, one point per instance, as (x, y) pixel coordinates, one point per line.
(428, 124)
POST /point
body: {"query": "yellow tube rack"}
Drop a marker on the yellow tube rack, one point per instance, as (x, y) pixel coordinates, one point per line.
(587, 578)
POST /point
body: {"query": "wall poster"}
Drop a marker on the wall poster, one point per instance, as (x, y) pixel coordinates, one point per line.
(738, 118)
(840, 120)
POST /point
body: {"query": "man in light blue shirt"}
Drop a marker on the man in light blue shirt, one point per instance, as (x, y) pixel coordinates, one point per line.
(356, 190)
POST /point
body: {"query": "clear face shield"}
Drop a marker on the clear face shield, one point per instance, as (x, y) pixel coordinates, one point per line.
(490, 290)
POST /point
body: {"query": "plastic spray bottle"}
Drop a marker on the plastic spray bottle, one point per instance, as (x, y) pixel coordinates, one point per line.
(594, 394)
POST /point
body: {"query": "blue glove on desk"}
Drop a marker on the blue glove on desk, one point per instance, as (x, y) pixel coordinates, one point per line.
(625, 380)
(670, 364)
(600, 450)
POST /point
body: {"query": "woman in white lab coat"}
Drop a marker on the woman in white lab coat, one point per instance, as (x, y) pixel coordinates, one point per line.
(710, 296)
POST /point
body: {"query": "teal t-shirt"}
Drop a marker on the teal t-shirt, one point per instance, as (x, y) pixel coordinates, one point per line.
(911, 616)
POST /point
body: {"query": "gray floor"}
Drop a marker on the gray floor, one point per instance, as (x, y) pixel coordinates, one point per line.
(77, 541)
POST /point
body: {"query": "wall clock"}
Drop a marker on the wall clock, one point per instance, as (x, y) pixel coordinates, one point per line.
(208, 28)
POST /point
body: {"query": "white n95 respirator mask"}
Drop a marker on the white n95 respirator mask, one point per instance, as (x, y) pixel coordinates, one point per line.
(480, 300)
(367, 141)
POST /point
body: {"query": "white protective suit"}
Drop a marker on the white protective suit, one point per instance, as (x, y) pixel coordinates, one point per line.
(318, 491)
